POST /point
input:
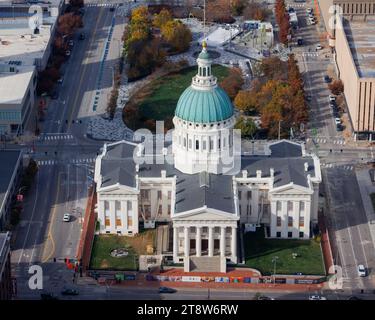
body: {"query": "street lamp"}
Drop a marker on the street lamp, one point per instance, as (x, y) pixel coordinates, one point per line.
(274, 260)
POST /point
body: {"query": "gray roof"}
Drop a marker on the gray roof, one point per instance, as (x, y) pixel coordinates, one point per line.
(286, 170)
(217, 193)
(8, 161)
(118, 165)
(285, 149)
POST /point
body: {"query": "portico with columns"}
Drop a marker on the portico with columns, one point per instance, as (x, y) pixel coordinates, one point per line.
(205, 233)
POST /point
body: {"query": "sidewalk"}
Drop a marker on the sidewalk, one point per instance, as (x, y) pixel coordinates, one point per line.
(366, 187)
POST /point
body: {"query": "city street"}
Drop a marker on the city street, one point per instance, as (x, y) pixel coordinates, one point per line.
(66, 161)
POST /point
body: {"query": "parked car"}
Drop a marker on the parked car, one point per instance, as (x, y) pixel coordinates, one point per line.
(327, 79)
(70, 292)
(339, 127)
(265, 298)
(67, 53)
(66, 217)
(60, 80)
(308, 97)
(354, 298)
(318, 47)
(82, 36)
(361, 270)
(167, 290)
(71, 43)
(299, 41)
(309, 10)
(312, 20)
(337, 120)
(332, 98)
(317, 297)
(48, 296)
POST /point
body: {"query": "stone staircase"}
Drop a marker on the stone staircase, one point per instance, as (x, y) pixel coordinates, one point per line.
(206, 264)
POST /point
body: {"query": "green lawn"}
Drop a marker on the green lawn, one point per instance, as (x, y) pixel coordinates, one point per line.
(159, 103)
(260, 251)
(104, 244)
(372, 196)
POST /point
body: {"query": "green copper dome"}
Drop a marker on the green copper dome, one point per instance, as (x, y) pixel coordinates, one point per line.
(204, 106)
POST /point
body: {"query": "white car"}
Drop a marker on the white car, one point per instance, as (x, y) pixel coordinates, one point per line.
(332, 97)
(66, 217)
(361, 270)
(337, 121)
(312, 20)
(309, 10)
(67, 53)
(318, 47)
(317, 297)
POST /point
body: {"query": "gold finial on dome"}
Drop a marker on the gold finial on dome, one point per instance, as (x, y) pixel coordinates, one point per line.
(204, 44)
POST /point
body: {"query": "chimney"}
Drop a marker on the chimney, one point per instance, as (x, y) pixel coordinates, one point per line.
(272, 172)
(306, 166)
(244, 173)
(163, 174)
(137, 168)
(259, 174)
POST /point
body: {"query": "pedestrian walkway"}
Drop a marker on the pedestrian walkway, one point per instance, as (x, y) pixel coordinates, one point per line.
(72, 161)
(53, 137)
(327, 140)
(335, 165)
(113, 5)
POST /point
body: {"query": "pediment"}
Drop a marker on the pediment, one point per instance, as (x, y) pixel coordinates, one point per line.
(205, 214)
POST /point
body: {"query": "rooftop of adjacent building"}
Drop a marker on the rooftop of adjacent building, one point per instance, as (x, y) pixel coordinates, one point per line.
(18, 80)
(21, 44)
(8, 161)
(361, 38)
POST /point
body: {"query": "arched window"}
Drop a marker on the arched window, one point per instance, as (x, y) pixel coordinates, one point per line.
(204, 72)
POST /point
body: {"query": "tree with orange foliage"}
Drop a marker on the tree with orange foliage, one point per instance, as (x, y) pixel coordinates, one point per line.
(336, 87)
(233, 82)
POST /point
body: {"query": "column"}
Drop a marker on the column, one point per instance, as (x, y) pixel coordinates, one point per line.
(112, 216)
(187, 243)
(284, 219)
(296, 213)
(210, 241)
(198, 241)
(175, 243)
(273, 218)
(234, 243)
(222, 241)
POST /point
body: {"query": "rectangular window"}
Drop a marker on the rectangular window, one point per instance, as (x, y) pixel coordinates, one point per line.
(278, 234)
(290, 221)
(107, 222)
(278, 222)
(290, 234)
(301, 221)
(118, 222)
(204, 144)
(278, 205)
(302, 206)
(211, 144)
(169, 209)
(239, 195)
(301, 234)
(147, 212)
(106, 205)
(290, 206)
(145, 194)
(159, 194)
(169, 195)
(248, 195)
(130, 221)
(196, 144)
(160, 210)
(129, 205)
(185, 142)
